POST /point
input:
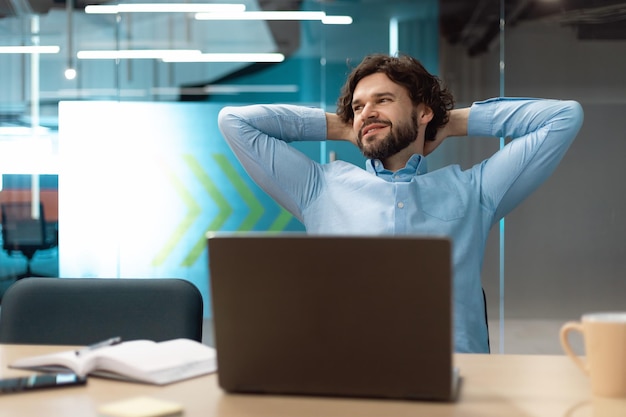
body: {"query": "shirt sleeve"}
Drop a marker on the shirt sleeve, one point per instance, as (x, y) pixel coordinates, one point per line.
(259, 136)
(541, 131)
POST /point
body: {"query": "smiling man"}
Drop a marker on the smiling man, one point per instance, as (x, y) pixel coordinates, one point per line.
(397, 113)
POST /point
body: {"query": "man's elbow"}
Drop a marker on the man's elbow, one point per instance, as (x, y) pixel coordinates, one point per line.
(575, 115)
(226, 118)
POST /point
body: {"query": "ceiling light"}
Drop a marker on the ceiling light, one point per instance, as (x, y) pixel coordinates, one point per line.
(337, 20)
(164, 8)
(30, 49)
(222, 57)
(279, 15)
(138, 54)
(70, 73)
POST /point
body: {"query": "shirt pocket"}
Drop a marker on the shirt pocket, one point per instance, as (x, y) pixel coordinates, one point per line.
(443, 200)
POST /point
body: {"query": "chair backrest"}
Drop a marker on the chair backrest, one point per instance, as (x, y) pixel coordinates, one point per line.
(20, 231)
(81, 311)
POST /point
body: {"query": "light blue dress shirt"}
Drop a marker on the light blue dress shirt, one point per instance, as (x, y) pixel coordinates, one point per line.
(341, 198)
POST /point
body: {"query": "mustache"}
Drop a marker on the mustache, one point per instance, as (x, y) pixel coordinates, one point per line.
(371, 122)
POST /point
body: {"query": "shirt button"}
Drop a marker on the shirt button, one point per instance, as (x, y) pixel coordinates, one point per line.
(400, 204)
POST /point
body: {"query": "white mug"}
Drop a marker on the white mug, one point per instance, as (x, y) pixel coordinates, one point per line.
(604, 337)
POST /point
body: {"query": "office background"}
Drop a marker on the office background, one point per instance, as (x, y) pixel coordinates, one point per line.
(135, 139)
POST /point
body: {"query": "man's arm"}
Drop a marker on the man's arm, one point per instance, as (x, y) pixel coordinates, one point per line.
(541, 131)
(258, 137)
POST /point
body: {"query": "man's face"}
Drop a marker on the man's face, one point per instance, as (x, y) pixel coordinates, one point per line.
(385, 119)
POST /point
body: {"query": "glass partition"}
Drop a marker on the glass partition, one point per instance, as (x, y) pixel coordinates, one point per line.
(561, 251)
(564, 255)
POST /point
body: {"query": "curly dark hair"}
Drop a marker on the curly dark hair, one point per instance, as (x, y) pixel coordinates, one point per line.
(408, 72)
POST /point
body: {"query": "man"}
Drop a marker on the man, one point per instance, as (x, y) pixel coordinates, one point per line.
(397, 113)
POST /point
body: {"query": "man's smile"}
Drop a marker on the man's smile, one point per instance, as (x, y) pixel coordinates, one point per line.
(372, 128)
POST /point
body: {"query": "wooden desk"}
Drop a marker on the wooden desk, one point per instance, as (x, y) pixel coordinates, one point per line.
(494, 385)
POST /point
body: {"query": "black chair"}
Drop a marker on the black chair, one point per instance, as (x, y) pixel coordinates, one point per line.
(486, 320)
(82, 311)
(22, 233)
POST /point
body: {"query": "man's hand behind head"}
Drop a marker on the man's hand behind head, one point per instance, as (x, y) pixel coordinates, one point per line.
(456, 126)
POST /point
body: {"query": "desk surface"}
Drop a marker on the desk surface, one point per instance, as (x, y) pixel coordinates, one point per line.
(493, 385)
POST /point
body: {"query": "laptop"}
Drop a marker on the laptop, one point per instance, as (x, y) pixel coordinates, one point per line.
(338, 316)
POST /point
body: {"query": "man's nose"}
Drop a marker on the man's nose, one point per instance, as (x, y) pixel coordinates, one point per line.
(369, 111)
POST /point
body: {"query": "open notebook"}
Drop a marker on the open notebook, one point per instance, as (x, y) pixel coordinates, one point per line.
(333, 316)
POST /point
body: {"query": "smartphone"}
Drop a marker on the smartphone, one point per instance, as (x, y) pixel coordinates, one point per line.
(39, 381)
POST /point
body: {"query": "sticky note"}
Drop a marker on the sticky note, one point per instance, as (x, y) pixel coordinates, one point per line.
(141, 407)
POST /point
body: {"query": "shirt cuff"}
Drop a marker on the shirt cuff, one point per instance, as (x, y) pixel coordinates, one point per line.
(481, 116)
(314, 128)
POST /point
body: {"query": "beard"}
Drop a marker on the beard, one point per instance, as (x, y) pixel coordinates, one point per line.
(396, 140)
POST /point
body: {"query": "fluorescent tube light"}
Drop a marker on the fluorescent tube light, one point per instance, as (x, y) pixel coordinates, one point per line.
(138, 54)
(278, 15)
(180, 55)
(164, 8)
(337, 20)
(53, 49)
(223, 57)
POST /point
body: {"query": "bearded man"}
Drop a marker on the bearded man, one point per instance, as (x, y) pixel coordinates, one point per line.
(396, 112)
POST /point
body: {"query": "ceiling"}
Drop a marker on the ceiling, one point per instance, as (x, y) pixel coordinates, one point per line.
(474, 24)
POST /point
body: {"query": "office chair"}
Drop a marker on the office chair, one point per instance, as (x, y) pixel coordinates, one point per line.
(24, 234)
(82, 311)
(486, 320)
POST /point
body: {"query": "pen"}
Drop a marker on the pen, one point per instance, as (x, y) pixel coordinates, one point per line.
(109, 342)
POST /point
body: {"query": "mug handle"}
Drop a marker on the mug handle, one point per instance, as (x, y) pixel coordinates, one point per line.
(565, 330)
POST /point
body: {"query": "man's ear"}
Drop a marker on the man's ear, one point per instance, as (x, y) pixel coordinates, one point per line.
(425, 114)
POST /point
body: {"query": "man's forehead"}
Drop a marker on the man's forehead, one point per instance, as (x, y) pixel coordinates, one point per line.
(376, 85)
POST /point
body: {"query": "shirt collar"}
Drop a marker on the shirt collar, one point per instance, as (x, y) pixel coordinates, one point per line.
(416, 165)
